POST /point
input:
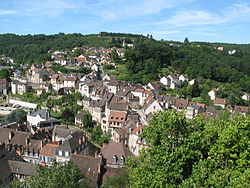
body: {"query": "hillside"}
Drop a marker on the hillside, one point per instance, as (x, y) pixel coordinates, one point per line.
(34, 48)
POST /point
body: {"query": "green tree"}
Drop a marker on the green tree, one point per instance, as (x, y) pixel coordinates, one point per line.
(87, 119)
(186, 41)
(54, 177)
(18, 116)
(193, 153)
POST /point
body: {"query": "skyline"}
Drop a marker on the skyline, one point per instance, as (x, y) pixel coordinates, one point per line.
(213, 21)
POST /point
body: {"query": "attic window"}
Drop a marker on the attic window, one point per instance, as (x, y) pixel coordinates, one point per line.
(116, 117)
(112, 117)
(122, 118)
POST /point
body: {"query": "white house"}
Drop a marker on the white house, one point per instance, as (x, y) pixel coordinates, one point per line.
(246, 97)
(136, 142)
(95, 68)
(153, 107)
(164, 81)
(183, 77)
(34, 118)
(212, 93)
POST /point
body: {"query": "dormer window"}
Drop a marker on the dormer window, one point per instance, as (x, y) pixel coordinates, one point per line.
(116, 117)
(122, 118)
(114, 160)
(122, 159)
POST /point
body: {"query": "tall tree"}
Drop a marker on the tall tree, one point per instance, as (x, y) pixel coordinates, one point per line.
(54, 177)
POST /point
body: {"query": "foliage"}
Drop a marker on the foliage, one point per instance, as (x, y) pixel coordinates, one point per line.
(98, 136)
(5, 73)
(193, 153)
(54, 177)
(34, 48)
(87, 119)
(18, 116)
(121, 180)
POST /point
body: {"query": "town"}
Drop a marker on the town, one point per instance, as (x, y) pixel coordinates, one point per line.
(74, 109)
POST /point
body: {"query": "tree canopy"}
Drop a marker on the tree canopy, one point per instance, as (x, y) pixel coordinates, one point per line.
(193, 153)
(56, 176)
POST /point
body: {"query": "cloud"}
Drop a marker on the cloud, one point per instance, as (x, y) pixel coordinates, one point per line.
(164, 32)
(46, 7)
(127, 8)
(7, 12)
(193, 17)
(233, 13)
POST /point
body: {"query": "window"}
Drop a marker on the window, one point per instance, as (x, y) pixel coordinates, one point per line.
(60, 152)
(66, 153)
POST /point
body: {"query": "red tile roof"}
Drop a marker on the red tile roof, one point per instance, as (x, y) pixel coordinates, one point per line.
(116, 116)
(49, 150)
(220, 101)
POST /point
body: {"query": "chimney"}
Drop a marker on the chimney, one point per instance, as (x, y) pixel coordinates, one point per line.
(99, 168)
(27, 141)
(104, 145)
(11, 135)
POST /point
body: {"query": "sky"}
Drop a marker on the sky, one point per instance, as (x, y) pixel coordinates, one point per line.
(199, 20)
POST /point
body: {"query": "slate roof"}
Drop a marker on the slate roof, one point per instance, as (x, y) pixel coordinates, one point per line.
(20, 138)
(42, 113)
(89, 166)
(118, 106)
(72, 142)
(23, 168)
(114, 148)
(62, 132)
(5, 170)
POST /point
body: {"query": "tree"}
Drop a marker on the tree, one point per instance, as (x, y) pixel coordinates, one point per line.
(121, 180)
(186, 41)
(18, 116)
(87, 120)
(193, 153)
(55, 176)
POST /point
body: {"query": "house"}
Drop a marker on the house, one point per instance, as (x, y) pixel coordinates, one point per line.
(113, 86)
(60, 133)
(115, 154)
(32, 149)
(246, 97)
(78, 119)
(3, 86)
(136, 142)
(183, 77)
(13, 167)
(180, 104)
(91, 167)
(121, 135)
(75, 143)
(41, 119)
(108, 77)
(152, 105)
(155, 86)
(81, 59)
(211, 111)
(142, 94)
(220, 48)
(220, 102)
(242, 109)
(47, 154)
(69, 81)
(193, 111)
(19, 88)
(95, 68)
(212, 93)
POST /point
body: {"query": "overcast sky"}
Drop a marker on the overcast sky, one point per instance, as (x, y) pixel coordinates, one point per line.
(199, 20)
